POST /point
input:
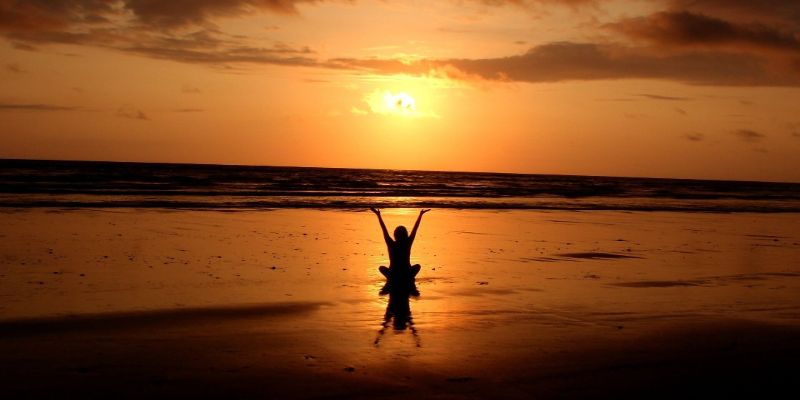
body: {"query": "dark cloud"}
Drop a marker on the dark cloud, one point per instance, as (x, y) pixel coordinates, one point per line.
(206, 46)
(662, 97)
(34, 107)
(54, 15)
(58, 14)
(705, 45)
(237, 54)
(684, 28)
(781, 12)
(132, 113)
(749, 135)
(177, 13)
(145, 27)
(564, 61)
(767, 31)
(213, 47)
(681, 111)
(31, 40)
(694, 137)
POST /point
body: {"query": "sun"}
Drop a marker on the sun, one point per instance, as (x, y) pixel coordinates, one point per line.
(405, 97)
(385, 102)
(401, 103)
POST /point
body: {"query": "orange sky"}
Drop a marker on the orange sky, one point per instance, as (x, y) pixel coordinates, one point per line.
(666, 88)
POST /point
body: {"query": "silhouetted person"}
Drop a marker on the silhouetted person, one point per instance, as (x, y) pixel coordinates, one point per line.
(400, 267)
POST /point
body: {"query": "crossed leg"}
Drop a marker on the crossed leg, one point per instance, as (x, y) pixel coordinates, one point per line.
(387, 272)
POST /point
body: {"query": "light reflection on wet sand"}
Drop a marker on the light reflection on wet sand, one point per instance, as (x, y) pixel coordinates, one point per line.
(647, 263)
(497, 288)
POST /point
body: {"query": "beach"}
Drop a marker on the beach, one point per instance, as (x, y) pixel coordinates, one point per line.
(285, 303)
(221, 199)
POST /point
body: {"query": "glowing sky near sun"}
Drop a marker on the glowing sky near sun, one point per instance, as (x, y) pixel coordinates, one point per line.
(671, 88)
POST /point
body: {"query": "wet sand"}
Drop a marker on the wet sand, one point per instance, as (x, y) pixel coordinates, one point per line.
(285, 304)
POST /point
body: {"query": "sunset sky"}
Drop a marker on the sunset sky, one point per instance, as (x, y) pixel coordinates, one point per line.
(662, 88)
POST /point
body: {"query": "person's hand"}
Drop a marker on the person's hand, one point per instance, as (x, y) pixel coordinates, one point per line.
(422, 212)
(375, 210)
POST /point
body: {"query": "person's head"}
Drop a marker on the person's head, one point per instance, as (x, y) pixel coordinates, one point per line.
(400, 234)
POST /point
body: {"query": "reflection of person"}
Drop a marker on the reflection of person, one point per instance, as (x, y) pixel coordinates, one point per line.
(398, 316)
(399, 249)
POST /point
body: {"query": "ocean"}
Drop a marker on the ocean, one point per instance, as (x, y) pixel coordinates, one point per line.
(90, 184)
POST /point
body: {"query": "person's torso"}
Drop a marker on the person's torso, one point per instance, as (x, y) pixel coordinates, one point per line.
(399, 255)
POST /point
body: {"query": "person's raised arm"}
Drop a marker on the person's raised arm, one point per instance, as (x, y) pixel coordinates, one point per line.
(386, 236)
(416, 226)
